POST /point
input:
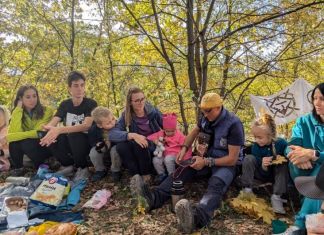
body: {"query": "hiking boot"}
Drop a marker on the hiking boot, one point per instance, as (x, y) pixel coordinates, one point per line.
(98, 175)
(185, 216)
(66, 171)
(81, 174)
(277, 204)
(116, 176)
(140, 190)
(17, 172)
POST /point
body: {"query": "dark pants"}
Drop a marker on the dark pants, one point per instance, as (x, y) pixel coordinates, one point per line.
(31, 148)
(71, 149)
(135, 158)
(220, 179)
(278, 174)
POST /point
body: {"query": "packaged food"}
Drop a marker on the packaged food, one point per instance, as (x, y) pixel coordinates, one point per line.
(16, 210)
(12, 204)
(50, 192)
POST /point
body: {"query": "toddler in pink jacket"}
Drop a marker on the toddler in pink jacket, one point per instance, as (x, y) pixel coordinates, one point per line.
(173, 139)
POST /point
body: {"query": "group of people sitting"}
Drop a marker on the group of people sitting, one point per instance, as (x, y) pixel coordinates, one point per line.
(132, 141)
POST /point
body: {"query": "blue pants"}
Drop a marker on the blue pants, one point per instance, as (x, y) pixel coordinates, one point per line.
(309, 206)
(220, 179)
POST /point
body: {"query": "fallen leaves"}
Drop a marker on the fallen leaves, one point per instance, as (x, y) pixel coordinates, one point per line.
(250, 204)
(279, 160)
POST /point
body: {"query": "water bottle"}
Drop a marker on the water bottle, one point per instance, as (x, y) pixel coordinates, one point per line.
(177, 193)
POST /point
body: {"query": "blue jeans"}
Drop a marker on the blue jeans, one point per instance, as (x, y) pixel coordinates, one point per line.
(220, 179)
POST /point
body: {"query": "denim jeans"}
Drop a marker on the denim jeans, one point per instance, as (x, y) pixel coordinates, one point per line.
(220, 179)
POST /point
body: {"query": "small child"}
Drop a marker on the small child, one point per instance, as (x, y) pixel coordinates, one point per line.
(4, 122)
(98, 136)
(173, 141)
(266, 148)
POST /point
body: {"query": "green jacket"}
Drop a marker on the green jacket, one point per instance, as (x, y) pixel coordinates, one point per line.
(309, 133)
(17, 131)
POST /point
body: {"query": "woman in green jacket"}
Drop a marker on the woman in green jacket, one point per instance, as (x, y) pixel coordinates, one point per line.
(28, 117)
(306, 150)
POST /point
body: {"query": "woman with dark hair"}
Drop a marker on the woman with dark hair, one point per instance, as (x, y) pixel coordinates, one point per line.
(306, 150)
(139, 120)
(28, 117)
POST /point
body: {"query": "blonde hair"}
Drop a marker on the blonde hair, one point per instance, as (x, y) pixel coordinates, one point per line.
(265, 121)
(128, 109)
(100, 112)
(6, 114)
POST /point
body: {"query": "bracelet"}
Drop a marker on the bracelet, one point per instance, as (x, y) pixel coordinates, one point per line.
(209, 161)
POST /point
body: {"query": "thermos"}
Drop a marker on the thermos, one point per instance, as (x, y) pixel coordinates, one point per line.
(177, 193)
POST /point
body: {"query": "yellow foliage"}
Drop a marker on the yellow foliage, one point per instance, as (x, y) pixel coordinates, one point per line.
(279, 160)
(250, 204)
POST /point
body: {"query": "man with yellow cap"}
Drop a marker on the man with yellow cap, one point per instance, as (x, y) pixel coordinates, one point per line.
(222, 155)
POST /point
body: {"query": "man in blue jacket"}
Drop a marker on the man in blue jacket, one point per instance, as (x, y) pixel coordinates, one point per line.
(223, 154)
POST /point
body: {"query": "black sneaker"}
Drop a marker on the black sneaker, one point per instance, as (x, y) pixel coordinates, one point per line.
(17, 172)
(185, 216)
(116, 176)
(140, 190)
(98, 175)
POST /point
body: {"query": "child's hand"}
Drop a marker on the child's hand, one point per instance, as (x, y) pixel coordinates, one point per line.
(266, 161)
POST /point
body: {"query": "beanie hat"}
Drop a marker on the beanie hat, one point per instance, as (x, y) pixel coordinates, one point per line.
(211, 100)
(169, 121)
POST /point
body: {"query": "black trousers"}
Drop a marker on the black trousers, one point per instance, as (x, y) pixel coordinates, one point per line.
(136, 159)
(71, 149)
(31, 148)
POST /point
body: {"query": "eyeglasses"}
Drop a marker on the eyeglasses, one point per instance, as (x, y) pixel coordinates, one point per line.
(206, 111)
(138, 101)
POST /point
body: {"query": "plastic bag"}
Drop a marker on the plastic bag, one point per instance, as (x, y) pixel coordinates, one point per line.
(42, 228)
(98, 200)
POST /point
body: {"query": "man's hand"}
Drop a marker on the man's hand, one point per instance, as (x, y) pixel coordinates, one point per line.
(50, 137)
(180, 155)
(199, 163)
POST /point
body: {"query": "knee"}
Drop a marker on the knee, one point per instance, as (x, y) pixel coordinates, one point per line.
(249, 159)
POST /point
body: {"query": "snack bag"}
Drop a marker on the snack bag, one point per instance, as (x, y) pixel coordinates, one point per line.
(50, 192)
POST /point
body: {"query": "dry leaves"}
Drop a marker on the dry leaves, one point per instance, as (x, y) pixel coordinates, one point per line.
(250, 204)
(279, 160)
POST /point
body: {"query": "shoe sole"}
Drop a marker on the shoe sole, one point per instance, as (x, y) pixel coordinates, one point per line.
(136, 185)
(184, 216)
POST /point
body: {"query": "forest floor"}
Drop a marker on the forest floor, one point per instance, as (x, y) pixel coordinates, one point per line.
(120, 216)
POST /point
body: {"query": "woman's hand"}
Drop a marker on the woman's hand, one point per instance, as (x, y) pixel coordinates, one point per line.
(51, 135)
(199, 163)
(305, 165)
(299, 155)
(3, 141)
(139, 139)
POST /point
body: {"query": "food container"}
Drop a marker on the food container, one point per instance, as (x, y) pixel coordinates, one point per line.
(15, 208)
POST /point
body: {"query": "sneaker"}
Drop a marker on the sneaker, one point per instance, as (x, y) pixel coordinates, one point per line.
(140, 190)
(17, 172)
(98, 175)
(247, 190)
(116, 176)
(277, 204)
(66, 171)
(185, 216)
(81, 174)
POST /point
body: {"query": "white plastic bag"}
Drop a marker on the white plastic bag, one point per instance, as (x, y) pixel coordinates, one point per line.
(98, 200)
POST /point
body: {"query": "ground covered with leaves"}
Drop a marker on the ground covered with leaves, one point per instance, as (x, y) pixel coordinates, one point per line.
(121, 216)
